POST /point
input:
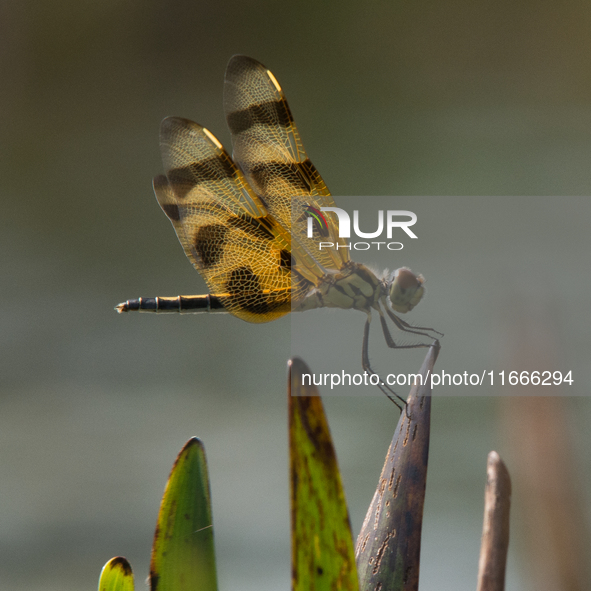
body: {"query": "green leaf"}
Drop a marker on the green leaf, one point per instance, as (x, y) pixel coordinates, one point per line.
(116, 575)
(183, 555)
(322, 552)
(389, 544)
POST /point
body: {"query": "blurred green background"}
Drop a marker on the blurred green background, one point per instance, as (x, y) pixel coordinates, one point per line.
(391, 98)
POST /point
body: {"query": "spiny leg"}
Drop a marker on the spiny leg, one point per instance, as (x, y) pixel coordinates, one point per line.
(390, 394)
(388, 336)
(406, 327)
(390, 341)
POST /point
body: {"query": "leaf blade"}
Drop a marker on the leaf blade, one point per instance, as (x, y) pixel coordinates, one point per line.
(388, 546)
(183, 556)
(116, 575)
(323, 556)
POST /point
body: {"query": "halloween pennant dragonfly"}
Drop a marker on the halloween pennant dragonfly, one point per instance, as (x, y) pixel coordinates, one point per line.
(242, 220)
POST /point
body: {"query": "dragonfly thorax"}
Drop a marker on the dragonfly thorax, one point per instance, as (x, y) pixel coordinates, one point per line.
(353, 287)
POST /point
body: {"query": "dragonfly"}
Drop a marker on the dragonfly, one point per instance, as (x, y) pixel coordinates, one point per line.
(242, 221)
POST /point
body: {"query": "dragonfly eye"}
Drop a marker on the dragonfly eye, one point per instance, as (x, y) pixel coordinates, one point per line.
(406, 289)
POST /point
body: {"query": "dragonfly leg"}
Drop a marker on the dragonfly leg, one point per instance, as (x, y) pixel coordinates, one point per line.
(390, 394)
(388, 336)
(406, 327)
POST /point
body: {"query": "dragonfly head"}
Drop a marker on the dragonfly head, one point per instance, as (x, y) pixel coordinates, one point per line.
(405, 289)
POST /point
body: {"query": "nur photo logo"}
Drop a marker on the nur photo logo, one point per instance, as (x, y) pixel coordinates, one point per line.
(388, 221)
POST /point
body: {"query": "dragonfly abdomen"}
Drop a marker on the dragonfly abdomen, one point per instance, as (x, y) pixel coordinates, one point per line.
(200, 304)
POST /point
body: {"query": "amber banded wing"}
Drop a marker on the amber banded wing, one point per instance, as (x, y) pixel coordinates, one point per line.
(268, 149)
(240, 250)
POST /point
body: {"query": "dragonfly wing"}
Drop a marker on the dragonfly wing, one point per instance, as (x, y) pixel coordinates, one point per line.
(268, 149)
(240, 250)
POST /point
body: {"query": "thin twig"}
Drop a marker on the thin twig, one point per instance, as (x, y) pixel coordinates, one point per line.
(495, 530)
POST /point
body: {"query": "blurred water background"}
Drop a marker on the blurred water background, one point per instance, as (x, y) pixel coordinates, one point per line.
(452, 99)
